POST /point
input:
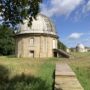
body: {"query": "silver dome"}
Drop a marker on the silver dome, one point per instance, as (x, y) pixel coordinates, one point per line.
(81, 46)
(42, 24)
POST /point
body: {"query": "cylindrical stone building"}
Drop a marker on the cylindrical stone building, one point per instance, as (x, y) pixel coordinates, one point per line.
(37, 41)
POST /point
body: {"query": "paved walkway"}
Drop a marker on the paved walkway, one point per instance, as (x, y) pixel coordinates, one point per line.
(65, 78)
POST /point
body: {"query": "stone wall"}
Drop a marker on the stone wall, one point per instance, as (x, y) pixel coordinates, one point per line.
(42, 46)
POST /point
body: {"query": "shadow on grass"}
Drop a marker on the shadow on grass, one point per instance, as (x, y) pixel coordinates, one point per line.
(55, 84)
(20, 82)
(11, 56)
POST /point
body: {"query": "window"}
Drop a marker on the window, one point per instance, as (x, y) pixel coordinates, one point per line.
(54, 44)
(31, 41)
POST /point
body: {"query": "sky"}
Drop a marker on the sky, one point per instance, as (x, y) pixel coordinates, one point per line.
(71, 19)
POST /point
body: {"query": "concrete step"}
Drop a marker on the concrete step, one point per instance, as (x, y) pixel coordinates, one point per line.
(64, 70)
(70, 83)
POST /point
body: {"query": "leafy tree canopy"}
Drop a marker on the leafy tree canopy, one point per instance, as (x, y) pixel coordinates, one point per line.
(7, 42)
(14, 11)
(61, 46)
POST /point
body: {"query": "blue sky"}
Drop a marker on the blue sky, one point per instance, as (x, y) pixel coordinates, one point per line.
(71, 18)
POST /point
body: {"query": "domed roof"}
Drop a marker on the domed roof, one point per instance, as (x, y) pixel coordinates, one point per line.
(42, 24)
(80, 46)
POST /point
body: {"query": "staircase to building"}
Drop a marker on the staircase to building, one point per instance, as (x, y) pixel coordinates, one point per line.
(61, 53)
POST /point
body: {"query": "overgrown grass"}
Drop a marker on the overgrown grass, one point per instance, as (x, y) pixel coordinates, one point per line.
(38, 74)
(26, 74)
(81, 66)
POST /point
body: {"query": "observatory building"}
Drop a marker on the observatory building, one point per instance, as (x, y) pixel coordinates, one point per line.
(37, 41)
(81, 48)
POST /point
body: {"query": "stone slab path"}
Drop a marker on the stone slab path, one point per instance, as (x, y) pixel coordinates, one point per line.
(65, 78)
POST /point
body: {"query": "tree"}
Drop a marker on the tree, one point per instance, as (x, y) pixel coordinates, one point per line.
(14, 12)
(7, 42)
(61, 46)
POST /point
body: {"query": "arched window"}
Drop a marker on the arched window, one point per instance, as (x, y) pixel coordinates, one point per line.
(31, 42)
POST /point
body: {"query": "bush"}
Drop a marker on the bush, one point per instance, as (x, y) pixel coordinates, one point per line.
(7, 42)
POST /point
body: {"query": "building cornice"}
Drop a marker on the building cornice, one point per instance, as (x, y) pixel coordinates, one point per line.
(36, 34)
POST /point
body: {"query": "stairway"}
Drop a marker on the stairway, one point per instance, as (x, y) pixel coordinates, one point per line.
(61, 53)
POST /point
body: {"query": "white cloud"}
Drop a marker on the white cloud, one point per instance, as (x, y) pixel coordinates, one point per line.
(86, 7)
(60, 7)
(75, 35)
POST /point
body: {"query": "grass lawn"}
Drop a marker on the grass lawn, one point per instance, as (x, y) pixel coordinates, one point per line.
(38, 74)
(81, 66)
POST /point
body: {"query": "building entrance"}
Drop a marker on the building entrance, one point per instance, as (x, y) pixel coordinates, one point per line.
(55, 54)
(31, 54)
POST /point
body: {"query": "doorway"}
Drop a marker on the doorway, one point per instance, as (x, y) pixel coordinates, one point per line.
(55, 54)
(31, 54)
